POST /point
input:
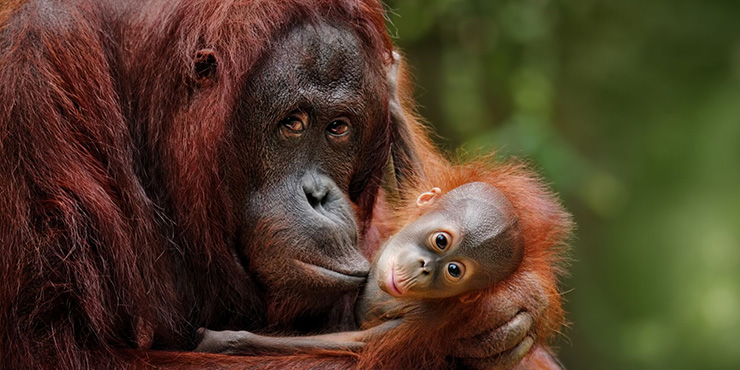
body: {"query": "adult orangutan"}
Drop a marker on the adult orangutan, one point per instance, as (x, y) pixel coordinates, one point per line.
(169, 165)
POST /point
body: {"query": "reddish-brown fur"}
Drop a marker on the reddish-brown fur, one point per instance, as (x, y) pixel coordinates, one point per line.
(112, 213)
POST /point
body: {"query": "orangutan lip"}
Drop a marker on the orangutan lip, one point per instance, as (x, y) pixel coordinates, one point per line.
(392, 287)
(358, 279)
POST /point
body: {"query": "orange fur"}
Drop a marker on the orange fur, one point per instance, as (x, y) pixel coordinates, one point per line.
(430, 325)
(545, 224)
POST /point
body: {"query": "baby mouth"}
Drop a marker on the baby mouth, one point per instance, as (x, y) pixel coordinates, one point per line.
(393, 288)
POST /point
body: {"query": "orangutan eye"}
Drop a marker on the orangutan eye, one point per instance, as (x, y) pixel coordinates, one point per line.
(338, 128)
(441, 240)
(293, 124)
(454, 270)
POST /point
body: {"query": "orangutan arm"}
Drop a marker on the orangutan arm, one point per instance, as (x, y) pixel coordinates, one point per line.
(247, 343)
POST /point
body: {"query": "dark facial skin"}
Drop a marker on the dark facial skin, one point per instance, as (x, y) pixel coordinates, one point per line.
(469, 240)
(306, 114)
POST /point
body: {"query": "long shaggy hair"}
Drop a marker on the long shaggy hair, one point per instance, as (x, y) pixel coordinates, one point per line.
(114, 224)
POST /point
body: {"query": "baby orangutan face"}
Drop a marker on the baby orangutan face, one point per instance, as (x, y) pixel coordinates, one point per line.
(468, 240)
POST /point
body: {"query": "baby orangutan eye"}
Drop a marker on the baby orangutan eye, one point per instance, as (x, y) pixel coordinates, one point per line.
(441, 240)
(455, 270)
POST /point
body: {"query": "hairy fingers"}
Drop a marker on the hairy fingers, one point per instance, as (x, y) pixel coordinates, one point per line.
(504, 361)
(496, 341)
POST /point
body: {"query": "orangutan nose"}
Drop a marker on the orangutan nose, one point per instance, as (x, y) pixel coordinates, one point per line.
(424, 266)
(321, 192)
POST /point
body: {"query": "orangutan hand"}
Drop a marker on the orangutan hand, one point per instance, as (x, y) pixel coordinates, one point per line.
(504, 340)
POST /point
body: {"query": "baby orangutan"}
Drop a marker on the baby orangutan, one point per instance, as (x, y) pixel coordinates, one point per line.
(465, 241)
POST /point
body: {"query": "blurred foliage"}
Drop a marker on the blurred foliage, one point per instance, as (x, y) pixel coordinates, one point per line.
(632, 110)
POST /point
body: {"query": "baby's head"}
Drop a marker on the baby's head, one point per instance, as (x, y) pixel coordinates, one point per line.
(466, 240)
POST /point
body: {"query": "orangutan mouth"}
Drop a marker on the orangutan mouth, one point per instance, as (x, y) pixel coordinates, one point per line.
(390, 283)
(347, 278)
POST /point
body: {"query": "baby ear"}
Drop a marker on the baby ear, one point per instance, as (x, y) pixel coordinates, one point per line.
(428, 196)
(470, 297)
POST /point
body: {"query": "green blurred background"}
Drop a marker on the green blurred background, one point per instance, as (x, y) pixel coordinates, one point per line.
(631, 108)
